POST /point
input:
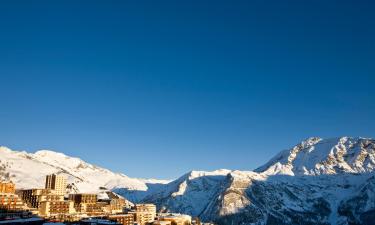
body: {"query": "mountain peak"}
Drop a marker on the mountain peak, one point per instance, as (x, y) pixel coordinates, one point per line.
(46, 153)
(315, 156)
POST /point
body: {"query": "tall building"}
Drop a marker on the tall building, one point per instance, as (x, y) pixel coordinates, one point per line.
(56, 183)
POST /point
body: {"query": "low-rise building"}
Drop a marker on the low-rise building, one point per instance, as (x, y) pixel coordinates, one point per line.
(33, 197)
(7, 187)
(11, 202)
(88, 203)
(124, 219)
(83, 198)
(117, 205)
(175, 218)
(142, 218)
(144, 213)
(11, 205)
(52, 208)
(150, 208)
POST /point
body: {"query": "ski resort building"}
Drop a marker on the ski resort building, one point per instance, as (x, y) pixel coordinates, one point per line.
(56, 183)
(7, 187)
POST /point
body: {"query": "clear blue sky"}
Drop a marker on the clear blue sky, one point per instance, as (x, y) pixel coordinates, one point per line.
(158, 88)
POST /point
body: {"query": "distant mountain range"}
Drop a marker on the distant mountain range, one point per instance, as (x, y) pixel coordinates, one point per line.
(319, 181)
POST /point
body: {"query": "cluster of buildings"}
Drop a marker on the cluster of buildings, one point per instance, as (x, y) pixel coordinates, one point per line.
(11, 205)
(51, 203)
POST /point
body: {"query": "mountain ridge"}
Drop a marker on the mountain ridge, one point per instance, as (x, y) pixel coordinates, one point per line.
(314, 182)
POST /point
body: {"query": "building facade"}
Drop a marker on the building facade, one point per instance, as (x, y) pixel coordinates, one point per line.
(88, 203)
(144, 213)
(117, 205)
(7, 187)
(124, 219)
(54, 208)
(33, 197)
(149, 208)
(83, 198)
(56, 183)
(11, 205)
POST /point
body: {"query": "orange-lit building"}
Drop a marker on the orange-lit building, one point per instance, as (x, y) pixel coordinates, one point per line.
(11, 202)
(33, 197)
(176, 219)
(7, 187)
(51, 208)
(117, 205)
(11, 205)
(83, 198)
(124, 219)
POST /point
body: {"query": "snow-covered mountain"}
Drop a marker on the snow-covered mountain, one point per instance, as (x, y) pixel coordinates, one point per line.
(316, 182)
(319, 181)
(28, 170)
(316, 156)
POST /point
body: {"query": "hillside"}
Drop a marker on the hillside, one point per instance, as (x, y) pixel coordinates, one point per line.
(28, 170)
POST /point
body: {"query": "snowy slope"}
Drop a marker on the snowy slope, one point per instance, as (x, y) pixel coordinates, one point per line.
(28, 170)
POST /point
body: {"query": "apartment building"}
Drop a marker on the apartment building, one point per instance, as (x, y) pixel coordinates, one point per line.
(149, 208)
(83, 198)
(10, 201)
(52, 208)
(56, 183)
(117, 205)
(88, 203)
(143, 213)
(142, 218)
(33, 197)
(7, 187)
(124, 219)
(11, 205)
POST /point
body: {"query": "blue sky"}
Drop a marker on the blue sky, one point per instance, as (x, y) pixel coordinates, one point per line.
(158, 88)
